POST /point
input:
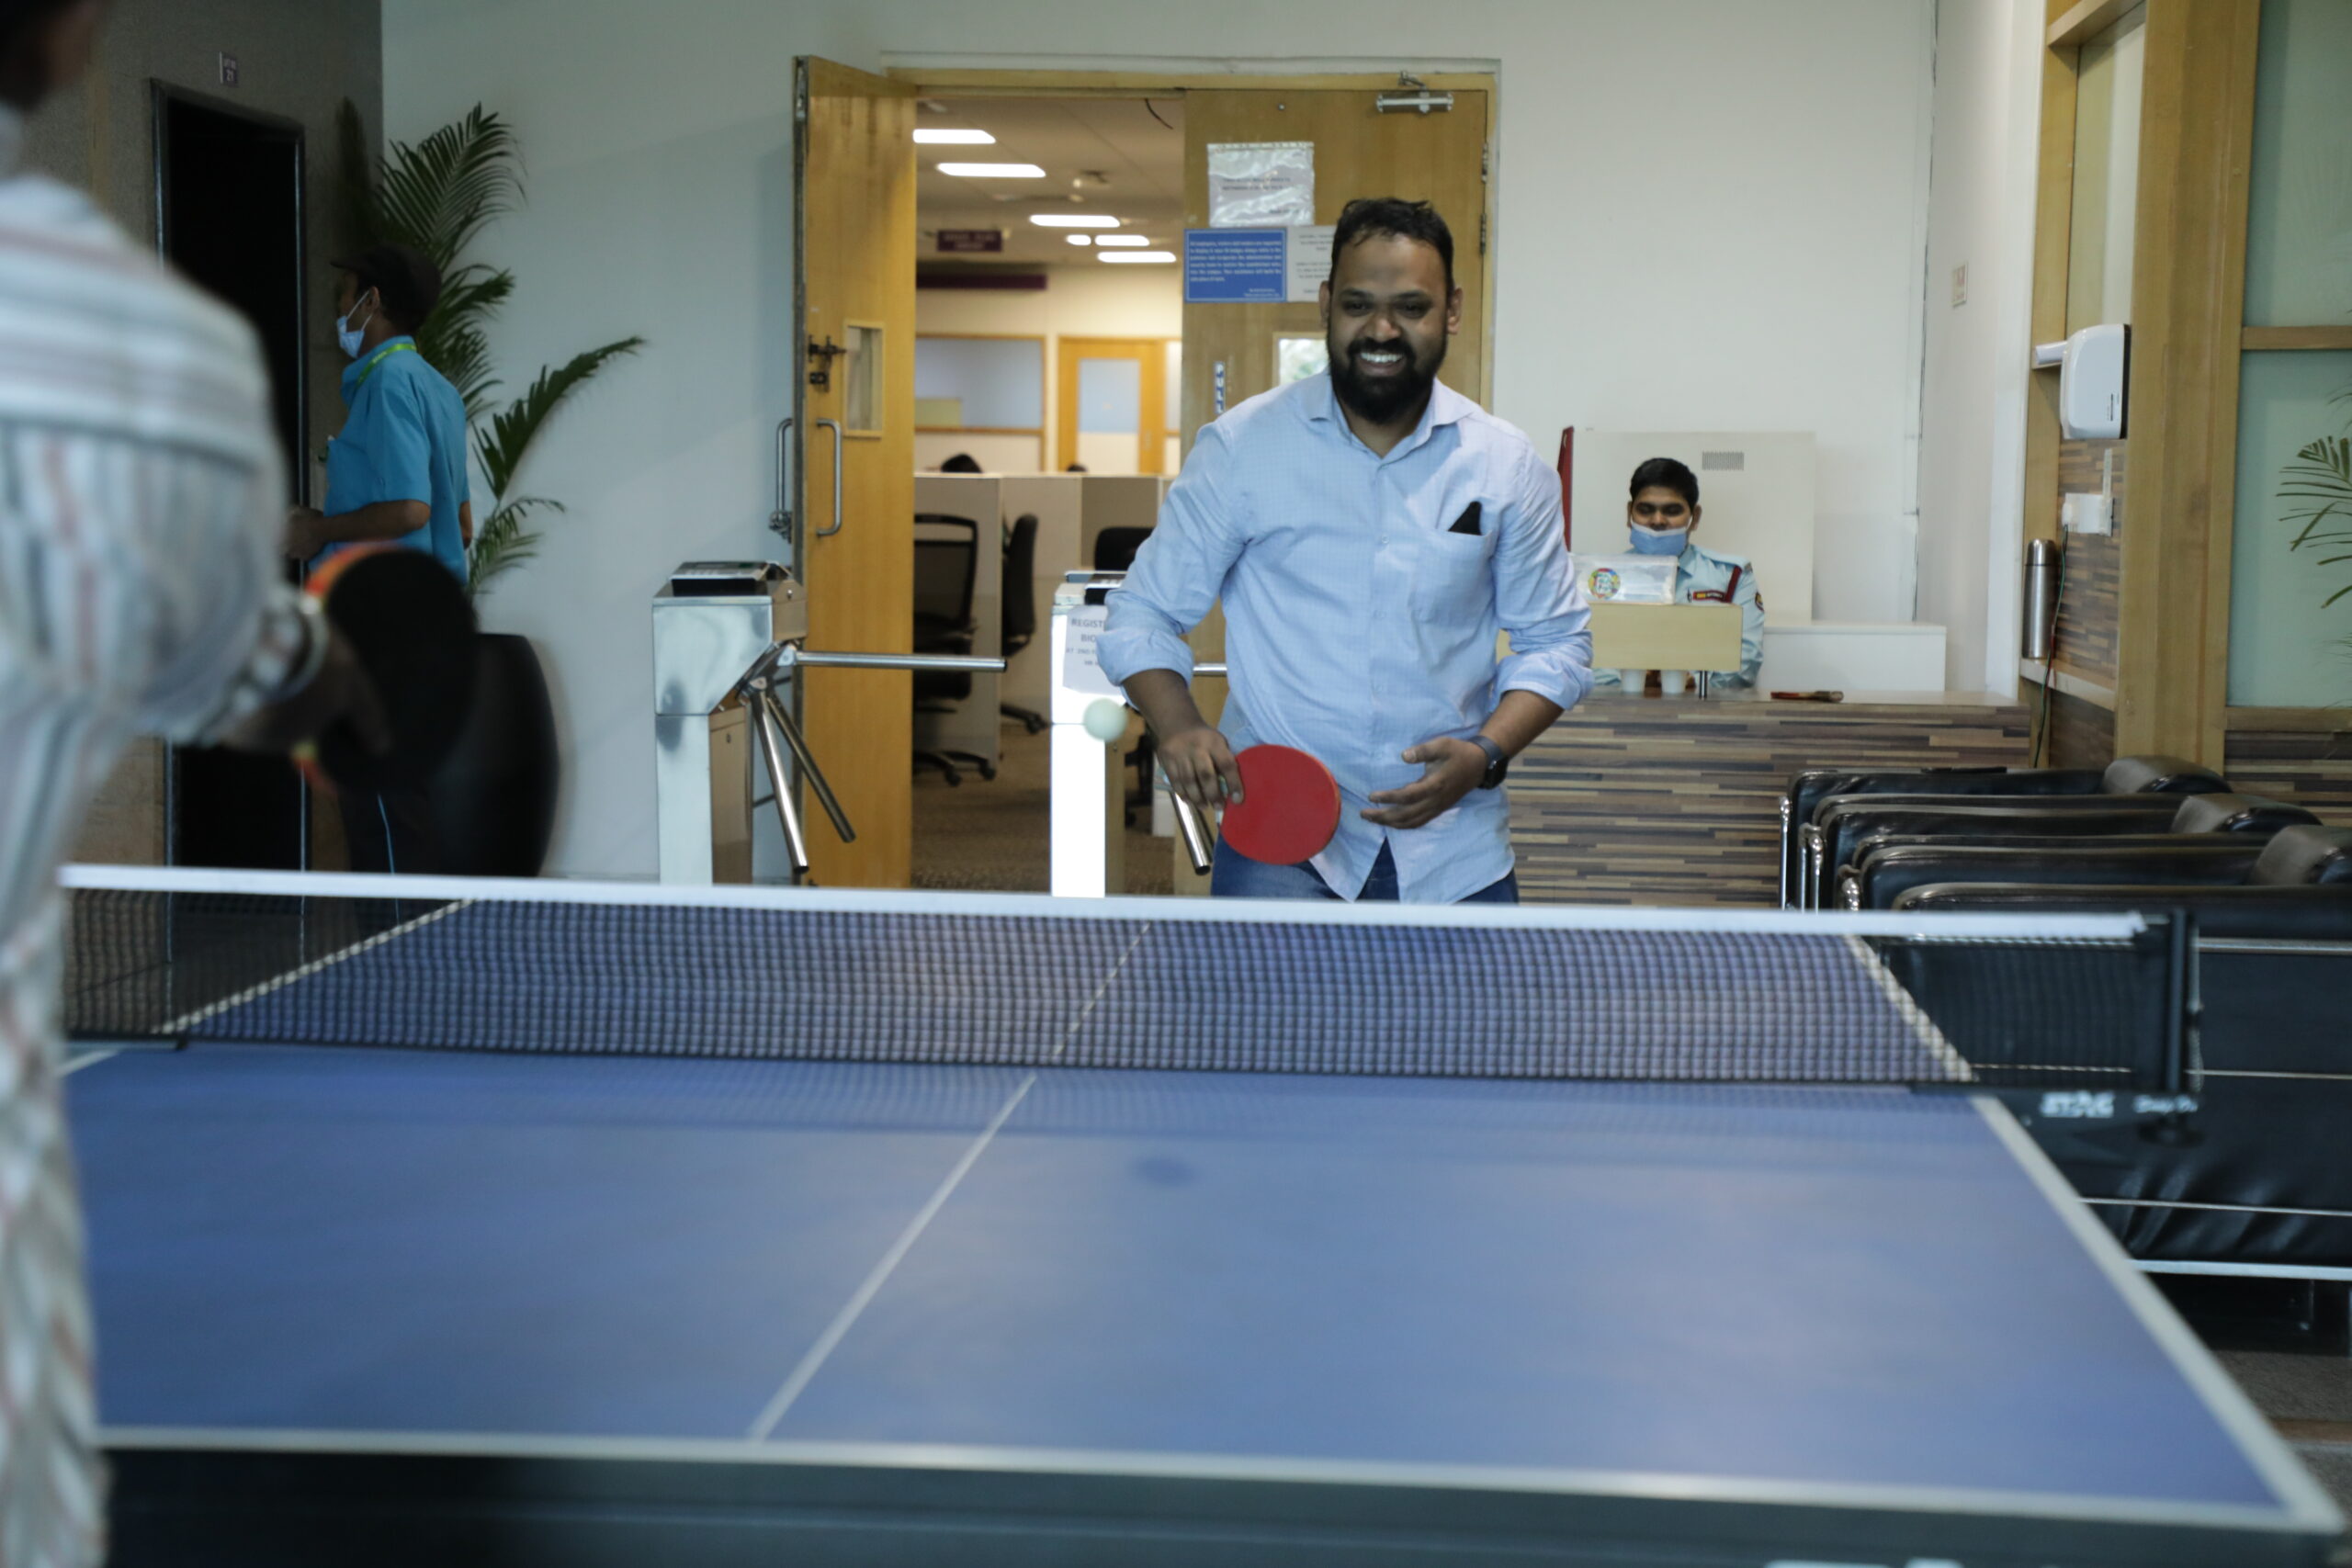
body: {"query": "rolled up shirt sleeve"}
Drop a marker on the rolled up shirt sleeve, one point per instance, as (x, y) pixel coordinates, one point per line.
(1537, 598)
(1180, 571)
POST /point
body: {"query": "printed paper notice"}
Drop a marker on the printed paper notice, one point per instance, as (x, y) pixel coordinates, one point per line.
(1234, 267)
(1082, 666)
(1261, 184)
(1308, 262)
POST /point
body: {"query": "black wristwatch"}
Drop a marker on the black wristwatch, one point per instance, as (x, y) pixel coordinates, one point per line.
(1498, 763)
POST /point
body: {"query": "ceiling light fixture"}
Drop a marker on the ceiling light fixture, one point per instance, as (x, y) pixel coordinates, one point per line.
(1130, 241)
(1087, 238)
(1073, 220)
(945, 137)
(1153, 257)
(994, 171)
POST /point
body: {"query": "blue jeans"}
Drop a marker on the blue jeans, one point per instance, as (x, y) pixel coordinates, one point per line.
(1236, 876)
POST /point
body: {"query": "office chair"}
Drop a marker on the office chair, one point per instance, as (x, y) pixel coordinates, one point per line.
(944, 572)
(1020, 620)
(1115, 548)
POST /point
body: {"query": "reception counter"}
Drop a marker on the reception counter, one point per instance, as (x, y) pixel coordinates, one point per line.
(1675, 800)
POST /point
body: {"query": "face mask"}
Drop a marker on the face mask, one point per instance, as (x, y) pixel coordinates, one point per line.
(1658, 542)
(352, 338)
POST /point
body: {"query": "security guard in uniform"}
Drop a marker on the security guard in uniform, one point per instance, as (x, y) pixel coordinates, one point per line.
(1661, 512)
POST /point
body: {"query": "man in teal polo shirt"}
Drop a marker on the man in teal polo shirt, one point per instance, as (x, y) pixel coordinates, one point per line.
(396, 475)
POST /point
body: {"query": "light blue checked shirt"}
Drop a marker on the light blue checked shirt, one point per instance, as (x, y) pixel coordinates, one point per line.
(1357, 623)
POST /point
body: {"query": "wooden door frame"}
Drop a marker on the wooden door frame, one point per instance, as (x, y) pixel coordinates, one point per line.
(884, 833)
(982, 82)
(2187, 314)
(1152, 428)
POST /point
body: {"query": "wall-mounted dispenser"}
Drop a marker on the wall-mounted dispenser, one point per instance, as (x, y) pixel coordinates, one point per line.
(2090, 383)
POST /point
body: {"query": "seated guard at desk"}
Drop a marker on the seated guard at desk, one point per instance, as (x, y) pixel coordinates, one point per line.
(1661, 513)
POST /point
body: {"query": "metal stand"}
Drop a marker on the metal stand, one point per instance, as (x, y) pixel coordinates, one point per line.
(725, 634)
(1088, 790)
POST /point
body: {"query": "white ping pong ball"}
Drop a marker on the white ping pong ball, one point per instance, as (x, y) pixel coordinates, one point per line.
(1106, 720)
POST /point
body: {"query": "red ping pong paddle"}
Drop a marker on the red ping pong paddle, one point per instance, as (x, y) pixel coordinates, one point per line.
(408, 623)
(1289, 806)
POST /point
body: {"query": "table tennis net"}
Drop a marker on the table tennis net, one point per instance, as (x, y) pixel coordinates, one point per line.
(1037, 983)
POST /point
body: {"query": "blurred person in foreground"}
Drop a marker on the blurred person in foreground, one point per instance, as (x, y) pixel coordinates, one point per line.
(141, 505)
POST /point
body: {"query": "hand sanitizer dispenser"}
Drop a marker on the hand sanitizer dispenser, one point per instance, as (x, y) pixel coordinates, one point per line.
(2090, 383)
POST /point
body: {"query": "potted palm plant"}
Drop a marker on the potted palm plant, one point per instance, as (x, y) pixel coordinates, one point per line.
(493, 802)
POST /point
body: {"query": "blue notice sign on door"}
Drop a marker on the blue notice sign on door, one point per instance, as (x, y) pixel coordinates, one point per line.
(1234, 267)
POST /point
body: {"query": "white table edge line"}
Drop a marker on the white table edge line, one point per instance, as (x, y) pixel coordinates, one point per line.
(2260, 1442)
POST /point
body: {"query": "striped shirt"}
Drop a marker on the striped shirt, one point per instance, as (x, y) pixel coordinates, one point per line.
(141, 504)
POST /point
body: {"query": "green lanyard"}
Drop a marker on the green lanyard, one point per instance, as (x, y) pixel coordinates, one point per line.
(381, 355)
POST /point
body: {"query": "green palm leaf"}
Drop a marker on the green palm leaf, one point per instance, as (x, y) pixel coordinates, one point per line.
(438, 193)
(501, 449)
(2320, 483)
(503, 541)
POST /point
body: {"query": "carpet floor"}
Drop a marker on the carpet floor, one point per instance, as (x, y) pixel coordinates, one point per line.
(991, 835)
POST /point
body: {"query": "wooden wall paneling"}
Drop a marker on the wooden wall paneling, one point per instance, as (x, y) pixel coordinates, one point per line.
(2082, 733)
(2254, 338)
(1633, 801)
(2312, 768)
(2090, 612)
(2072, 26)
(2187, 309)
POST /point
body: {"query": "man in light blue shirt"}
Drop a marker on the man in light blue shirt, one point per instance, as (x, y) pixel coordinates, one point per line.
(396, 475)
(1370, 532)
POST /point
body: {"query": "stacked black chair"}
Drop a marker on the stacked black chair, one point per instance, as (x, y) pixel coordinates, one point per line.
(2214, 839)
(1020, 619)
(2257, 1178)
(946, 568)
(2125, 775)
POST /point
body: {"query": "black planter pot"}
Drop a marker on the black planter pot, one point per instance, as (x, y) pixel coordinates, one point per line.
(492, 802)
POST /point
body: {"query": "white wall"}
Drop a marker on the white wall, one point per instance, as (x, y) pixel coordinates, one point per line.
(1089, 300)
(1707, 216)
(1972, 456)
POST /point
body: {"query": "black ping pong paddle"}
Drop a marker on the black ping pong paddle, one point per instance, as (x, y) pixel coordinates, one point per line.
(410, 625)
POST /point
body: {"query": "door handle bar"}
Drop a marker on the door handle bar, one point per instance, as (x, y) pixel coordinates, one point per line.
(835, 426)
(780, 520)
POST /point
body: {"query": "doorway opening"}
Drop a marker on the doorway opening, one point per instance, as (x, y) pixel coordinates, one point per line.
(229, 216)
(1049, 302)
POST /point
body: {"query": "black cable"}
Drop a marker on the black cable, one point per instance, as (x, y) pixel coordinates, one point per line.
(1154, 113)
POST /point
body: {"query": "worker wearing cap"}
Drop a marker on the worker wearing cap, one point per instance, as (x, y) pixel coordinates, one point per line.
(396, 475)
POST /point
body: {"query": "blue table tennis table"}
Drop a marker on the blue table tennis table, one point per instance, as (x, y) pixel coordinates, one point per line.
(361, 1305)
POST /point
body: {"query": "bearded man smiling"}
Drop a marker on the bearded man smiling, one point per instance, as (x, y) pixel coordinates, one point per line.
(1369, 531)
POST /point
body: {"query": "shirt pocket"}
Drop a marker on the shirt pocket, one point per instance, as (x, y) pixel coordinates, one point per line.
(1453, 578)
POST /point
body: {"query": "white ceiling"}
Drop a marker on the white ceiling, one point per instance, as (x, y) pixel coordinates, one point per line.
(1100, 155)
